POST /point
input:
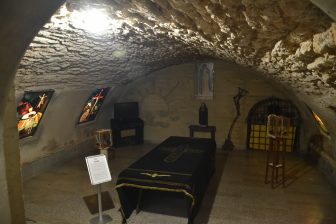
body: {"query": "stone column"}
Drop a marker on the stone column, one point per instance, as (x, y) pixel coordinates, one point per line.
(11, 206)
(4, 205)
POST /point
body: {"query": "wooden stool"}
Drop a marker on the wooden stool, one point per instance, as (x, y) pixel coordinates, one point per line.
(277, 127)
(276, 161)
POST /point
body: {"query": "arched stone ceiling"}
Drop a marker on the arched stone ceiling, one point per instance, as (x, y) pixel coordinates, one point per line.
(292, 41)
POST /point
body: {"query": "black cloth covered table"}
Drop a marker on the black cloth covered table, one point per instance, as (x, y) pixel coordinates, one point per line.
(179, 164)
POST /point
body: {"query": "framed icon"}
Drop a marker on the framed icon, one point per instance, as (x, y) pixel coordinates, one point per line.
(204, 80)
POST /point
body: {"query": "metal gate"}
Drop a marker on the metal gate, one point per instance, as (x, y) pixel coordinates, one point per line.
(257, 120)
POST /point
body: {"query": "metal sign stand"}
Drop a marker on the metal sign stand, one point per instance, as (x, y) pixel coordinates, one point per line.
(100, 219)
(99, 173)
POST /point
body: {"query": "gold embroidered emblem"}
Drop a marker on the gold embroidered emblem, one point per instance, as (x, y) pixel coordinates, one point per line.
(154, 175)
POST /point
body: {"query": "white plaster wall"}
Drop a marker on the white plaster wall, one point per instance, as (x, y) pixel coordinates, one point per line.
(168, 105)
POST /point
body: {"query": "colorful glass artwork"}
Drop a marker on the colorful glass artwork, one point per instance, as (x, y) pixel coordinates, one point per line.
(92, 105)
(30, 111)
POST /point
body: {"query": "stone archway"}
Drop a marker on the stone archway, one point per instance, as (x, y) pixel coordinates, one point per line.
(20, 21)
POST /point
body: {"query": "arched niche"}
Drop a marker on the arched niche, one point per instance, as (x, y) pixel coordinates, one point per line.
(257, 119)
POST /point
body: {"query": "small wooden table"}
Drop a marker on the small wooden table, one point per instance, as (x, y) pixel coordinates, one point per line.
(211, 129)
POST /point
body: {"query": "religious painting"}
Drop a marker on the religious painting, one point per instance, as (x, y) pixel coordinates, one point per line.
(204, 87)
(30, 111)
(92, 105)
(319, 121)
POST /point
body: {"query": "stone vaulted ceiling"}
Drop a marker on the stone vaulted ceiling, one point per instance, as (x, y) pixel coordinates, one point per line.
(292, 41)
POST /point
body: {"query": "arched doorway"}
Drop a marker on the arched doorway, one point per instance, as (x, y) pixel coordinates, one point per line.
(21, 20)
(257, 119)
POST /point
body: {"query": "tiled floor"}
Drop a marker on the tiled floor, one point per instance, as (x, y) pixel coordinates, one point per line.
(236, 193)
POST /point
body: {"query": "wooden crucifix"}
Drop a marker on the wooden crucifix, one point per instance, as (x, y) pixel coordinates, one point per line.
(228, 144)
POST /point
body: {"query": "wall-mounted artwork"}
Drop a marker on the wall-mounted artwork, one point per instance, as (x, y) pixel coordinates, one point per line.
(204, 79)
(30, 111)
(319, 121)
(92, 105)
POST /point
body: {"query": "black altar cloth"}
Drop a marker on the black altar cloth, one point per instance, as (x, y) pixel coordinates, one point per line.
(179, 164)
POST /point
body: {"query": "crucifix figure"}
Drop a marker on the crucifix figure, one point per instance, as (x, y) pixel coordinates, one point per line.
(42, 100)
(176, 153)
(228, 144)
(96, 98)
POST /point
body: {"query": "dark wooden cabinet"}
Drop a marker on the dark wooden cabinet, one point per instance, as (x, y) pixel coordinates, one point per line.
(126, 117)
(118, 126)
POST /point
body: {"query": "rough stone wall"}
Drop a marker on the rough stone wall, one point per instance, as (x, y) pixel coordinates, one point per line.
(63, 57)
(293, 42)
(168, 104)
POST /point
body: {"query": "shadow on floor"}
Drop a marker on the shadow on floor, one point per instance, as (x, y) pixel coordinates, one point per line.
(161, 202)
(296, 171)
(210, 194)
(91, 202)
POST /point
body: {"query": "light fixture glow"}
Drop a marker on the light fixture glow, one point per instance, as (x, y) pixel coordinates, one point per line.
(93, 20)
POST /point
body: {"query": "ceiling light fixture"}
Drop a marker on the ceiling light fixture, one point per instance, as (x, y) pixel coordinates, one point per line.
(93, 20)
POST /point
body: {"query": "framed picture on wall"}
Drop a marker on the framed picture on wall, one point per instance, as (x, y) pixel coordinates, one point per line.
(30, 111)
(319, 121)
(204, 80)
(93, 105)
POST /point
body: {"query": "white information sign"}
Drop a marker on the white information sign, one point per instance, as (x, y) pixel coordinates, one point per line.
(98, 169)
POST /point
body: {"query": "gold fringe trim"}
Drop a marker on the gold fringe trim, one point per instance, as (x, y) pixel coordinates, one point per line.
(156, 182)
(159, 189)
